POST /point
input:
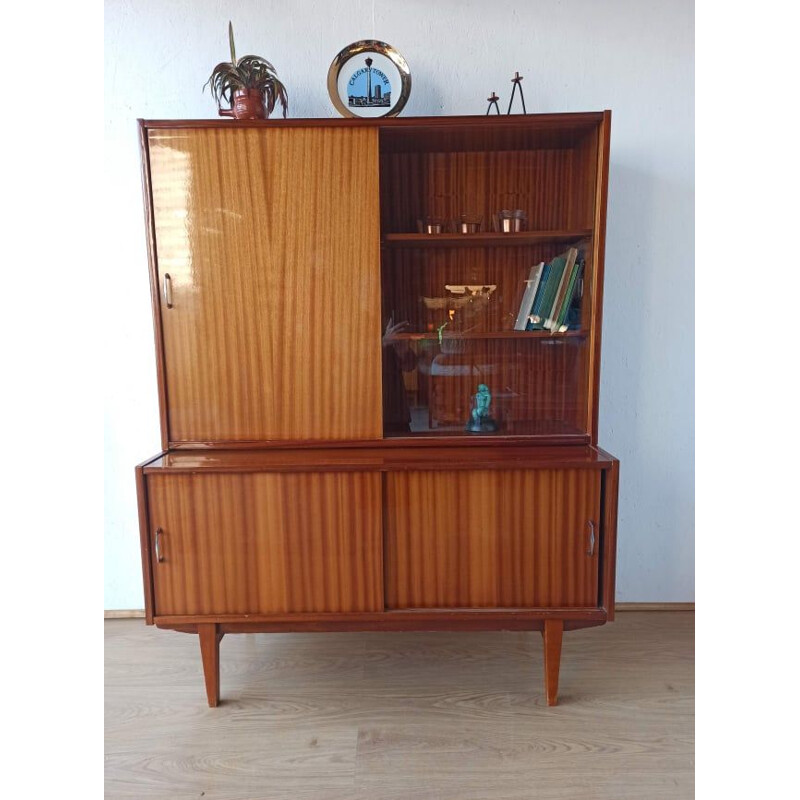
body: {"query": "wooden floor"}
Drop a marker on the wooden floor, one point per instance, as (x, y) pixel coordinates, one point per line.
(373, 716)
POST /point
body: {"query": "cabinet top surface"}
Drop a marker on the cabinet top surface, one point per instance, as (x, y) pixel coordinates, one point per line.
(380, 459)
(569, 119)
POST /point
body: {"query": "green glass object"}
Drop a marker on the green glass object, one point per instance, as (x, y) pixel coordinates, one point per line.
(480, 421)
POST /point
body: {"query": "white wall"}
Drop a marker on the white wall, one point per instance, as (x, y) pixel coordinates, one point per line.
(635, 57)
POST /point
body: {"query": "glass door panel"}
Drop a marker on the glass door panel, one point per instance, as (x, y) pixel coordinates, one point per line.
(463, 352)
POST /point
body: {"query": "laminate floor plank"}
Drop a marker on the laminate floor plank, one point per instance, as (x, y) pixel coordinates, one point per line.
(411, 716)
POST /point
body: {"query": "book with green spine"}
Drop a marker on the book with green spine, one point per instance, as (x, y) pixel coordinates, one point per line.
(542, 308)
(550, 318)
(568, 297)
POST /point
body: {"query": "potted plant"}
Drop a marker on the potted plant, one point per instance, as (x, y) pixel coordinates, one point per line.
(248, 85)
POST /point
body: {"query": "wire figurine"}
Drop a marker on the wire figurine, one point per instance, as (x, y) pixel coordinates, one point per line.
(493, 102)
(517, 81)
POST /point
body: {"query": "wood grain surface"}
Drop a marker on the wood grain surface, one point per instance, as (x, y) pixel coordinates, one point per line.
(558, 127)
(554, 186)
(139, 613)
(517, 538)
(411, 716)
(267, 543)
(593, 294)
(270, 241)
(384, 458)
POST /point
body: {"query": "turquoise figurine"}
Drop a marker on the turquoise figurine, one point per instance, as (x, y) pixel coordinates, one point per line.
(480, 420)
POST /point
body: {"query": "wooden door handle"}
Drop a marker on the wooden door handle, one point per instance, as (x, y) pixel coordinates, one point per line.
(590, 551)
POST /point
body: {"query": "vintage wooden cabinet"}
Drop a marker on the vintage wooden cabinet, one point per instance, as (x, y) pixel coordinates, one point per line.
(318, 351)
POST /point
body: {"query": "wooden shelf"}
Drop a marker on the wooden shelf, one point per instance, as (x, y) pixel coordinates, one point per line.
(519, 428)
(434, 336)
(482, 239)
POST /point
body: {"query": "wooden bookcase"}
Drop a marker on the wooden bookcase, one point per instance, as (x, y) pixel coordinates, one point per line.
(315, 471)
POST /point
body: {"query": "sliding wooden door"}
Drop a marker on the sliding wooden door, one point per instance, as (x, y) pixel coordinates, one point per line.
(492, 538)
(267, 248)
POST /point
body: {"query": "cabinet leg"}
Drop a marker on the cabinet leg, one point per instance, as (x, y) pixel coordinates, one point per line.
(552, 634)
(210, 637)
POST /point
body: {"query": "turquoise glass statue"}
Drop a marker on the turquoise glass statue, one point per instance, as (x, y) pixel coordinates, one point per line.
(480, 421)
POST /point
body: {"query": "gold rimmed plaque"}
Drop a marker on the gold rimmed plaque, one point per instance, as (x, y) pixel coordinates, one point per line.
(369, 79)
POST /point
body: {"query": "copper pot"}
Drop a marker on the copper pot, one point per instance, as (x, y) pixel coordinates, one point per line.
(247, 104)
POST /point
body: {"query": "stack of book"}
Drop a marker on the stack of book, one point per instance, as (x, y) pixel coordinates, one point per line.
(550, 291)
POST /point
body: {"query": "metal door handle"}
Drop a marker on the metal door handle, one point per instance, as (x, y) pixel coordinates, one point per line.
(590, 551)
(168, 290)
(159, 554)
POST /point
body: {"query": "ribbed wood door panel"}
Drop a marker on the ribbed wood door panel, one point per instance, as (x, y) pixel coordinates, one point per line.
(492, 539)
(271, 241)
(265, 543)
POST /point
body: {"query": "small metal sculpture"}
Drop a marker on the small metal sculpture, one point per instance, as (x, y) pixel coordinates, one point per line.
(480, 421)
(517, 81)
(493, 102)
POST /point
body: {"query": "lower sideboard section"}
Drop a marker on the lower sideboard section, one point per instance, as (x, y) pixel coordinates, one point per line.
(327, 541)
(223, 544)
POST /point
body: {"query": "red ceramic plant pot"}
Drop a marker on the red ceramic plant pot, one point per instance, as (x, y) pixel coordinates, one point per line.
(247, 104)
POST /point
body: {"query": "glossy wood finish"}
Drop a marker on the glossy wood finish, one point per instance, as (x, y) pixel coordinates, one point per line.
(491, 539)
(557, 129)
(270, 241)
(554, 178)
(155, 299)
(594, 299)
(547, 183)
(552, 634)
(484, 239)
(436, 619)
(210, 637)
(552, 141)
(379, 459)
(145, 545)
(267, 543)
(279, 250)
(609, 537)
(514, 133)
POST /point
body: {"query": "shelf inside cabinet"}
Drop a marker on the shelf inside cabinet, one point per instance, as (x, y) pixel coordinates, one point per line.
(483, 239)
(434, 336)
(517, 428)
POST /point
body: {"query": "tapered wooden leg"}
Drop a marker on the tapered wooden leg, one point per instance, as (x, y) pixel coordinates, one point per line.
(210, 638)
(552, 635)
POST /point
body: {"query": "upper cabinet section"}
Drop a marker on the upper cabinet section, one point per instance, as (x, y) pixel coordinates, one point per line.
(268, 290)
(429, 280)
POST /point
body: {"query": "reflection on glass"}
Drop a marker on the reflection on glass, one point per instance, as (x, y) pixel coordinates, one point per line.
(430, 385)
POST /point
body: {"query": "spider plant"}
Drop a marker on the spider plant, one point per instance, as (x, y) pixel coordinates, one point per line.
(248, 72)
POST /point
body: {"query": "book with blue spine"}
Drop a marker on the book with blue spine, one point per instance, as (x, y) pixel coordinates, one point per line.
(550, 318)
(557, 266)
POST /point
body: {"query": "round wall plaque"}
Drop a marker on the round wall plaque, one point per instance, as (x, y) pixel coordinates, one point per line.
(369, 79)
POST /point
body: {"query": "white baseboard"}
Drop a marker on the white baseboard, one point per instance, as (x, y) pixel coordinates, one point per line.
(134, 613)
